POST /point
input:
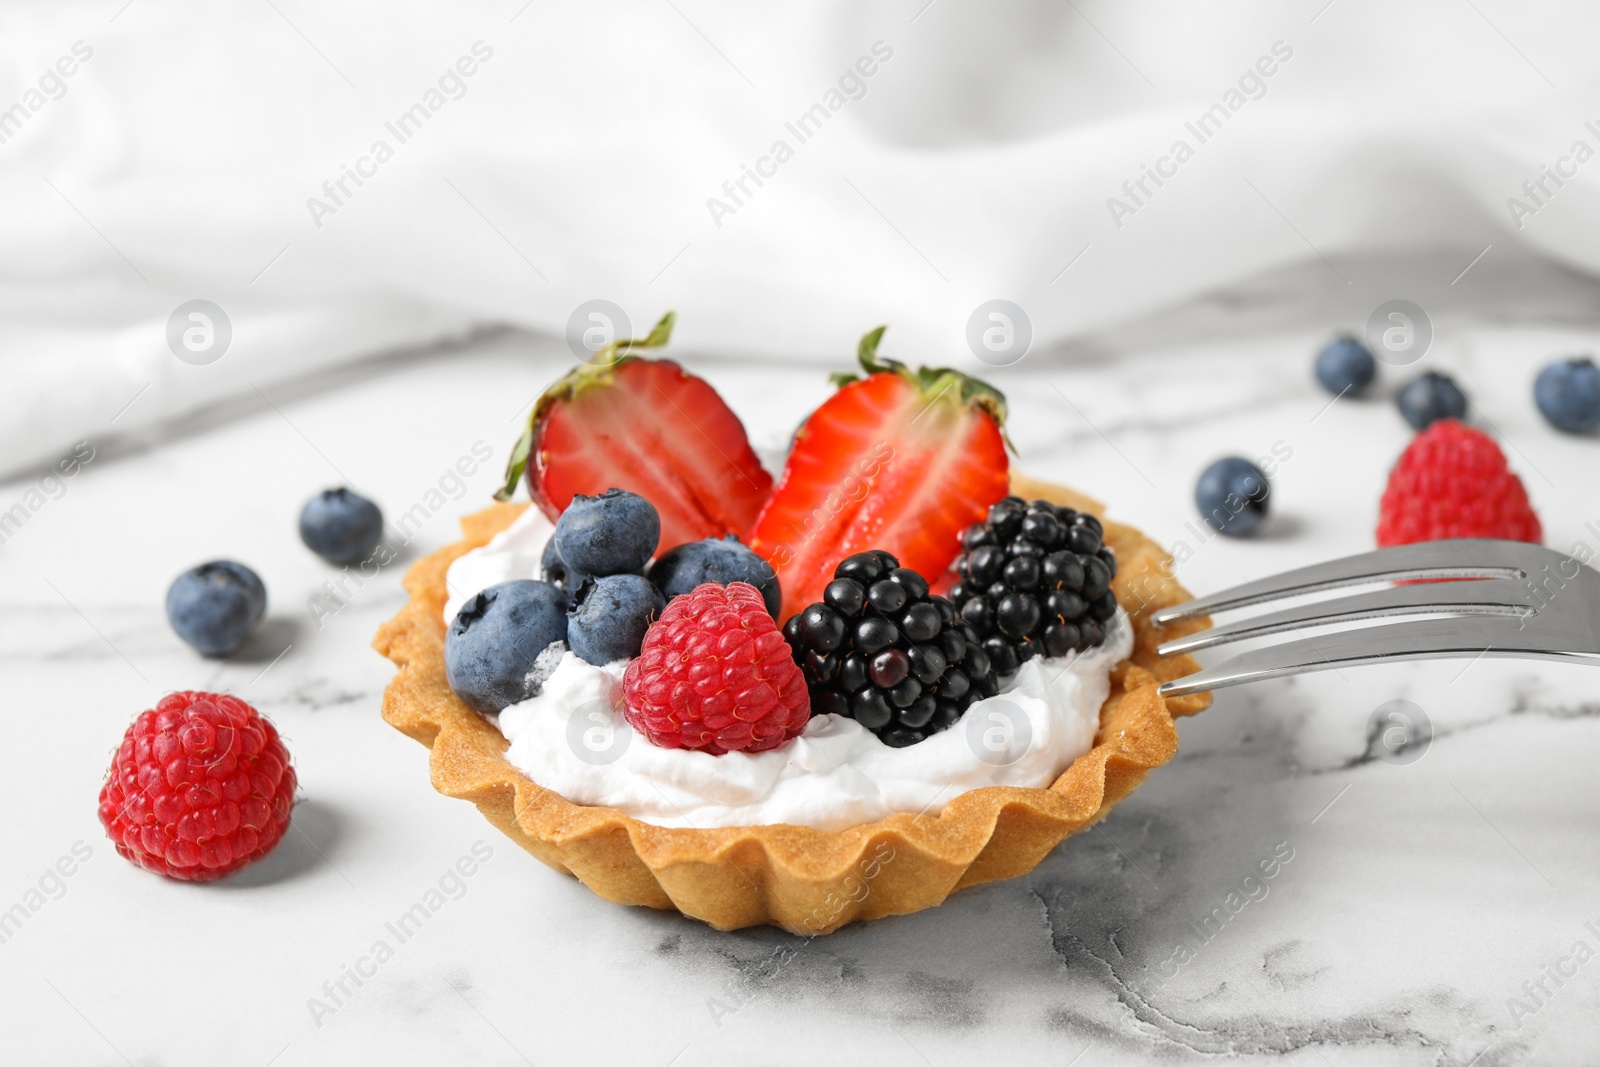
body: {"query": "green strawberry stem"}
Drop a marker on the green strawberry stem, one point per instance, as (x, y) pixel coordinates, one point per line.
(932, 382)
(598, 370)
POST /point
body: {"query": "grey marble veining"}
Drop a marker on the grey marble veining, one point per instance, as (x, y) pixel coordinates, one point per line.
(1410, 910)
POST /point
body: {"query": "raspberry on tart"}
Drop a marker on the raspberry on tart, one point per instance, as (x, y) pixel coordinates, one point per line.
(200, 788)
(715, 675)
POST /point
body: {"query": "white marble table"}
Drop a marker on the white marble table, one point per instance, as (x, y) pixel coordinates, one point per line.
(1418, 898)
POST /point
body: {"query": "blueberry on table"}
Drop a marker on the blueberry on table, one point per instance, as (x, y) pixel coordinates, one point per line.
(216, 605)
(613, 533)
(1432, 397)
(685, 568)
(610, 618)
(505, 642)
(341, 526)
(1344, 366)
(1232, 495)
(1568, 394)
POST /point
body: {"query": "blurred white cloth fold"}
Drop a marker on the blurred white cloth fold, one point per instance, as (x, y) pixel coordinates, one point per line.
(346, 179)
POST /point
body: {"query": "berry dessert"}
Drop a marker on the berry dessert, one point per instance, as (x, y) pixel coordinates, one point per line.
(715, 676)
(1345, 367)
(201, 787)
(1035, 581)
(1568, 395)
(1432, 397)
(340, 526)
(878, 648)
(900, 460)
(216, 606)
(1453, 481)
(738, 726)
(1232, 495)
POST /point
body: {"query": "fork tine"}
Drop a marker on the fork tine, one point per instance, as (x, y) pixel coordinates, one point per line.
(1425, 639)
(1463, 558)
(1456, 598)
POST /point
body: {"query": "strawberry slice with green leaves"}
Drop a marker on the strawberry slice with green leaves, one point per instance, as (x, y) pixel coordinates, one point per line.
(902, 460)
(647, 426)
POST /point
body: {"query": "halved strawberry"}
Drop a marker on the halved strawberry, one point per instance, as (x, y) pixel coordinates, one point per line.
(648, 426)
(900, 460)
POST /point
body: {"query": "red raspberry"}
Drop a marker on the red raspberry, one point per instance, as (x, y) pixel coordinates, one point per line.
(200, 788)
(715, 674)
(1452, 481)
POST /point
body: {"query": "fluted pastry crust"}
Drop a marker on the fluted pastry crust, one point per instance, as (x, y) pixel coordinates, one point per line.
(804, 880)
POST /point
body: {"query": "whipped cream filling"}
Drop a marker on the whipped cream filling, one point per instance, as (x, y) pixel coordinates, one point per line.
(572, 737)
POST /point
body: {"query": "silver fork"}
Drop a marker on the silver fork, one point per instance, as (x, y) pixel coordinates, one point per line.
(1531, 602)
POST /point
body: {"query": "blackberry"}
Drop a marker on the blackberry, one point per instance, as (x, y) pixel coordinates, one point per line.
(1034, 579)
(878, 648)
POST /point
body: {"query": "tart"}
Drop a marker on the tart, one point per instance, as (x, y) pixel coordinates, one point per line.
(805, 880)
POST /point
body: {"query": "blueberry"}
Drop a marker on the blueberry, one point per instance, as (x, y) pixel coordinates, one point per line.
(613, 533)
(504, 643)
(680, 570)
(1345, 367)
(1231, 495)
(1568, 395)
(552, 568)
(340, 526)
(215, 606)
(1432, 397)
(610, 617)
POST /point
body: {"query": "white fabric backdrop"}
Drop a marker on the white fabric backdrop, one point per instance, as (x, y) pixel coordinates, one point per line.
(576, 162)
